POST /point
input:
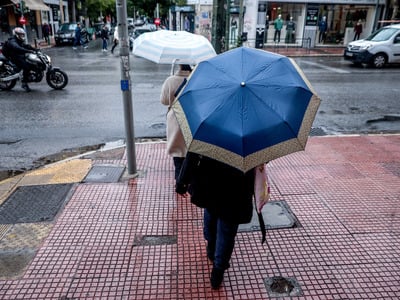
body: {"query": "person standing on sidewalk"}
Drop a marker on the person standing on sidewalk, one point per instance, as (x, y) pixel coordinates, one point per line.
(104, 37)
(290, 31)
(176, 146)
(357, 30)
(323, 27)
(226, 195)
(278, 24)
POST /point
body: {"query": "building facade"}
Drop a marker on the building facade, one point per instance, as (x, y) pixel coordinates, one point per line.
(339, 16)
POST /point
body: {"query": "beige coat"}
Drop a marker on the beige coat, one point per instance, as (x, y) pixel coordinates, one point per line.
(175, 143)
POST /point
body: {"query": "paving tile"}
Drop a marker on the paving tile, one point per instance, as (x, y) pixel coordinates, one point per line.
(345, 248)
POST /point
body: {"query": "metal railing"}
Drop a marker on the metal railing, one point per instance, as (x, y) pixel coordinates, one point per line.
(304, 43)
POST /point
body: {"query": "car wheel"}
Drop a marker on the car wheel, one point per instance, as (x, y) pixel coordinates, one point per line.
(379, 60)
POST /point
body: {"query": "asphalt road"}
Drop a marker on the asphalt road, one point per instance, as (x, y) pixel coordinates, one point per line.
(46, 125)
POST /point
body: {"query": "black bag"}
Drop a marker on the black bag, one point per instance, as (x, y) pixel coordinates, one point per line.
(5, 50)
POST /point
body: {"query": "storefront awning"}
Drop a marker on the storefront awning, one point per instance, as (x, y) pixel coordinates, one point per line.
(33, 4)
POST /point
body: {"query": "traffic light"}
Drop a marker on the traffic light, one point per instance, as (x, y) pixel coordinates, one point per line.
(17, 9)
(20, 8)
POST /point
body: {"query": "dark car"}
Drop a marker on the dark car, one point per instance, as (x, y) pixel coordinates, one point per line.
(65, 34)
(139, 31)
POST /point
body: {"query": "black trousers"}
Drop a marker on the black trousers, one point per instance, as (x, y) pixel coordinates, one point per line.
(21, 63)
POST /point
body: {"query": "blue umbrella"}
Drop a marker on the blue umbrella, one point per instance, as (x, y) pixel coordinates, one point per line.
(246, 107)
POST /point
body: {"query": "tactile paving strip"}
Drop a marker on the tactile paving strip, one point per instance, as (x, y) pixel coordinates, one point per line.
(31, 204)
(105, 174)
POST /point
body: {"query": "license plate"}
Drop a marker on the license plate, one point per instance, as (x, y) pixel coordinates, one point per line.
(65, 40)
(349, 54)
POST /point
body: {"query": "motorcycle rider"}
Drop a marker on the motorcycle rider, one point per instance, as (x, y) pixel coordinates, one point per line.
(16, 48)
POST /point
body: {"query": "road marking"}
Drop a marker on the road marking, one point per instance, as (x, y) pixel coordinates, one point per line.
(335, 70)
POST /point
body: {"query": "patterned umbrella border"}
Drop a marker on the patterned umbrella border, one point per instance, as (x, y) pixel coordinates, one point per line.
(247, 163)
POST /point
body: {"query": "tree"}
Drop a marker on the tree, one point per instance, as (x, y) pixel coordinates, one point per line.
(100, 8)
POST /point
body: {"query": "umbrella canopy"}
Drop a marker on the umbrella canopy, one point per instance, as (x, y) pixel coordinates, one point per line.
(166, 47)
(246, 107)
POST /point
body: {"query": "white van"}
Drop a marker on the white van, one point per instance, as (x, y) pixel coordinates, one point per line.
(380, 48)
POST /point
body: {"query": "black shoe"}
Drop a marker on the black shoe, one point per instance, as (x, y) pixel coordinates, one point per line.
(217, 275)
(25, 86)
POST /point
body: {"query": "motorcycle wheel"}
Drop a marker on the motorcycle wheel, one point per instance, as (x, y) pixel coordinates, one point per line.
(7, 85)
(57, 79)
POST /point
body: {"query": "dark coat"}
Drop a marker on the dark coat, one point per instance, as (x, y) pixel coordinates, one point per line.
(104, 34)
(17, 48)
(222, 189)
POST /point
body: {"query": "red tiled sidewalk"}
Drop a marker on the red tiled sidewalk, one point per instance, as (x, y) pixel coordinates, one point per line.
(345, 191)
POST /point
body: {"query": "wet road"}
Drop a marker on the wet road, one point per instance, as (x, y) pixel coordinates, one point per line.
(90, 111)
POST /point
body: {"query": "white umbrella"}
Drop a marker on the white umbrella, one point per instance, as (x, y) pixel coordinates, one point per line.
(169, 47)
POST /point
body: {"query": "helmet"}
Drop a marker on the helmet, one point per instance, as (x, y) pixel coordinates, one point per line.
(19, 33)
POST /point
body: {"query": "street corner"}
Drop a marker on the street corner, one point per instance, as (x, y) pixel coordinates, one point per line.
(70, 171)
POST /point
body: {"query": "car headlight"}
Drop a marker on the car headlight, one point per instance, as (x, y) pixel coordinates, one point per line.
(365, 47)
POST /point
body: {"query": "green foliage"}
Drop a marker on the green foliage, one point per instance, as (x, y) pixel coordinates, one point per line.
(95, 8)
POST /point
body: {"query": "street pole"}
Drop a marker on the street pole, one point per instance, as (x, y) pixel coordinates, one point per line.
(61, 12)
(126, 84)
(241, 13)
(227, 25)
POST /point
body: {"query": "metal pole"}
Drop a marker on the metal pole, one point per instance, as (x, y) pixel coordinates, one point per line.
(241, 12)
(227, 25)
(62, 11)
(126, 84)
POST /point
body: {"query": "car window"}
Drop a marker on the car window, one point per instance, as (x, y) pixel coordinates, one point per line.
(65, 27)
(382, 35)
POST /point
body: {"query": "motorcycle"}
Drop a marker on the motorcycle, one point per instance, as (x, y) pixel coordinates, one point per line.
(40, 65)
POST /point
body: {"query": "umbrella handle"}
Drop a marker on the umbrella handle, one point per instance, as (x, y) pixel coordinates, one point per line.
(173, 66)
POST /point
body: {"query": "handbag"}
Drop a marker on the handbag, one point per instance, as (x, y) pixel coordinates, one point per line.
(262, 193)
(261, 187)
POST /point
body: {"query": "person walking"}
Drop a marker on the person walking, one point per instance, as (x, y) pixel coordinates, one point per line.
(176, 146)
(104, 37)
(115, 39)
(226, 195)
(46, 32)
(77, 39)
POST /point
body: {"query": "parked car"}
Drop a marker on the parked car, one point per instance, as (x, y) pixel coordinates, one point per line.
(380, 48)
(65, 34)
(139, 31)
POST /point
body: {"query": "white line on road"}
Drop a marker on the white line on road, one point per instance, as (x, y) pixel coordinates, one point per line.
(335, 70)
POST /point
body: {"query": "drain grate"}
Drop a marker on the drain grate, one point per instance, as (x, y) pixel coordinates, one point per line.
(279, 286)
(151, 240)
(104, 174)
(276, 215)
(317, 131)
(36, 203)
